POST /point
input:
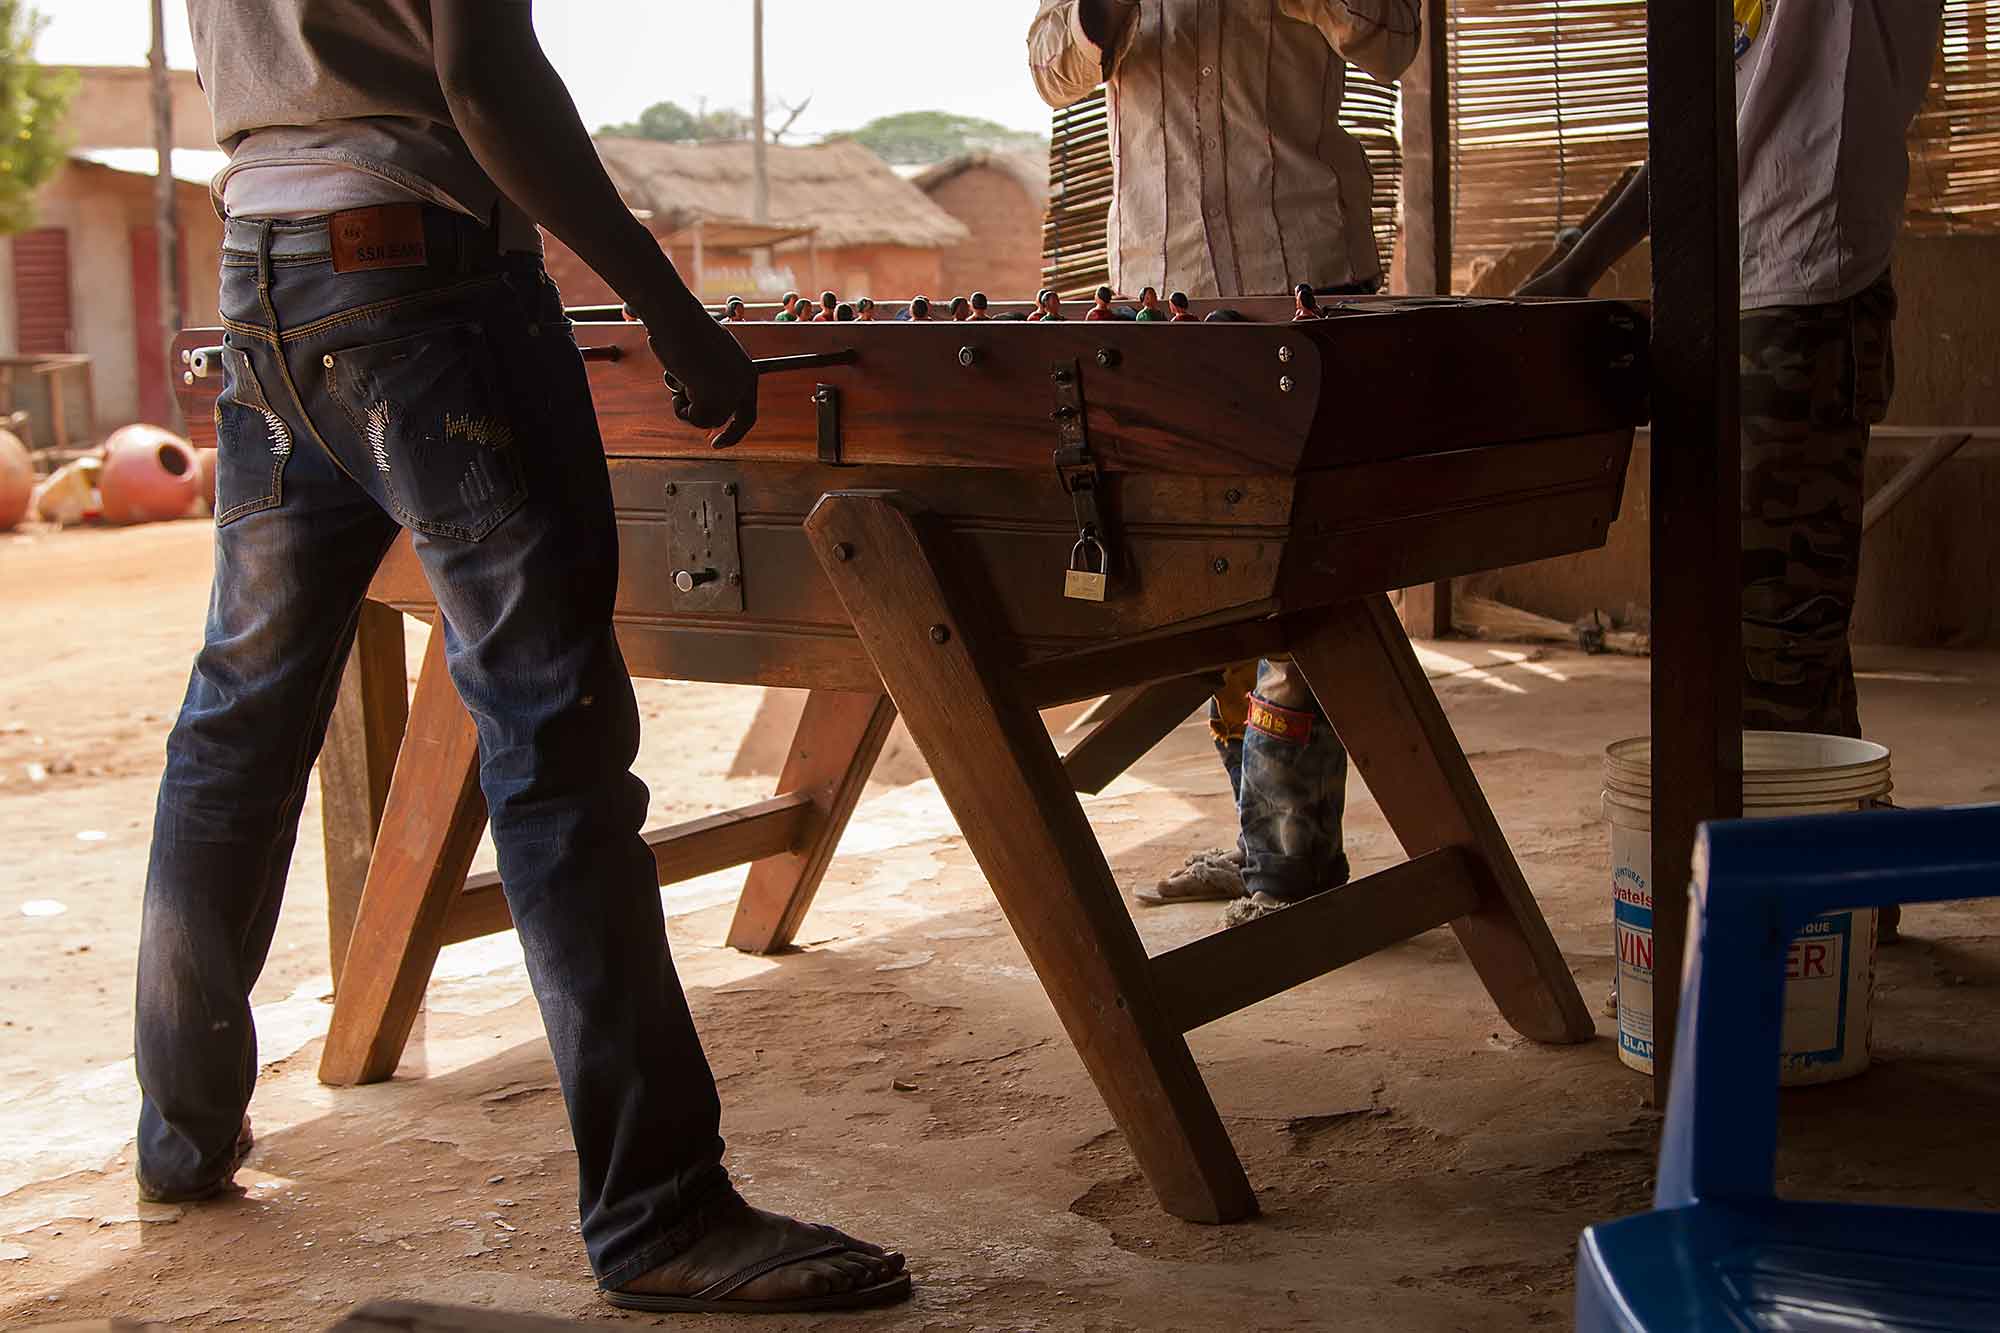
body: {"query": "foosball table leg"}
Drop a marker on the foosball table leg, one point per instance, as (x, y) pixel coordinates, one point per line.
(1361, 667)
(839, 738)
(431, 827)
(999, 772)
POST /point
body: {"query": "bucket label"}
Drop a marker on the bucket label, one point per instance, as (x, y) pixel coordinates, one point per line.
(1632, 932)
(1815, 1027)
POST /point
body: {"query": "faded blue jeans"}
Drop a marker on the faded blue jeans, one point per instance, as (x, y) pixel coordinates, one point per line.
(1289, 774)
(448, 400)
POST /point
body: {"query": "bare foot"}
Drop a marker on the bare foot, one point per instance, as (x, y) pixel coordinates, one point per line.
(744, 1237)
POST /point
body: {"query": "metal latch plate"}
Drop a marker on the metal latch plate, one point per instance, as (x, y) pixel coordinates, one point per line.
(704, 561)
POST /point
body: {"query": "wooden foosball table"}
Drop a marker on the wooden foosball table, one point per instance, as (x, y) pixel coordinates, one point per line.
(966, 522)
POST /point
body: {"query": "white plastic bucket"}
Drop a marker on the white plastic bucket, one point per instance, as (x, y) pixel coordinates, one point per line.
(1830, 967)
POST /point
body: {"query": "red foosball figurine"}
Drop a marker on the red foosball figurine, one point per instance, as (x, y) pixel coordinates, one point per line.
(978, 304)
(1101, 307)
(961, 309)
(1150, 310)
(864, 310)
(1179, 303)
(828, 303)
(1041, 310)
(843, 313)
(920, 307)
(1307, 305)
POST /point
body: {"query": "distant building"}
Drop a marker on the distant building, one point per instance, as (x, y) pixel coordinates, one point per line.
(840, 219)
(1000, 198)
(84, 279)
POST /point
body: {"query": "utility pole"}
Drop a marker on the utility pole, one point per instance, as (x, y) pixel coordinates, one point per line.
(166, 214)
(760, 167)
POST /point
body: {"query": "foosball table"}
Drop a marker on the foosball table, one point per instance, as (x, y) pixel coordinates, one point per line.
(965, 522)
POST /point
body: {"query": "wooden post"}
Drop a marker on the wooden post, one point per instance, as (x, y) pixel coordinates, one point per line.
(357, 763)
(1426, 234)
(1697, 538)
(166, 216)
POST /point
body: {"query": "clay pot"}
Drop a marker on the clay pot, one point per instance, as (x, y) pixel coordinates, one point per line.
(17, 480)
(149, 474)
(205, 467)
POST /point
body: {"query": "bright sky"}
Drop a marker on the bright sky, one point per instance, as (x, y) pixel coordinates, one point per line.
(856, 59)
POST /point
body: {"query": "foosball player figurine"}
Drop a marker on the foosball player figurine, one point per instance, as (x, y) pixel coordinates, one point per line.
(961, 309)
(788, 309)
(828, 303)
(920, 308)
(1307, 304)
(978, 303)
(843, 313)
(1101, 307)
(1052, 306)
(1041, 310)
(1181, 315)
(735, 312)
(864, 310)
(1150, 310)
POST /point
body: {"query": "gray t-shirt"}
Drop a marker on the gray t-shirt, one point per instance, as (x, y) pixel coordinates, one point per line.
(1825, 93)
(330, 104)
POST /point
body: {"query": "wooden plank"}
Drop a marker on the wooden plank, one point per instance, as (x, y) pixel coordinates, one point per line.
(838, 740)
(1908, 477)
(1232, 969)
(1134, 726)
(1065, 678)
(1364, 673)
(1425, 610)
(1697, 594)
(430, 829)
(357, 763)
(923, 621)
(910, 401)
(680, 851)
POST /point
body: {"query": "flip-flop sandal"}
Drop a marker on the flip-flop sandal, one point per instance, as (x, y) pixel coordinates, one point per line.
(715, 1298)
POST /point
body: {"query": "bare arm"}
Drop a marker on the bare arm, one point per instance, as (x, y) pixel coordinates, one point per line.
(517, 118)
(1381, 36)
(1073, 45)
(1616, 231)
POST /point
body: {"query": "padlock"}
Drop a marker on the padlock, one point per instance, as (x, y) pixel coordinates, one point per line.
(1086, 584)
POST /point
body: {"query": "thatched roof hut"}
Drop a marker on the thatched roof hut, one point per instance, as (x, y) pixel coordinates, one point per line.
(1030, 170)
(847, 194)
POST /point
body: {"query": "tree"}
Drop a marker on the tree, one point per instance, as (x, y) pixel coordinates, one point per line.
(918, 138)
(671, 122)
(32, 100)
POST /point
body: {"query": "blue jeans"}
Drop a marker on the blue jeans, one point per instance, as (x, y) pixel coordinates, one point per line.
(448, 400)
(1289, 773)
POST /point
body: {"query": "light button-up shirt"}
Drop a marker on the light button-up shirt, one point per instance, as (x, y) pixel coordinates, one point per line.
(1233, 173)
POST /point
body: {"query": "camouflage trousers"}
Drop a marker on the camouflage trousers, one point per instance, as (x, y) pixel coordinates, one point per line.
(1814, 379)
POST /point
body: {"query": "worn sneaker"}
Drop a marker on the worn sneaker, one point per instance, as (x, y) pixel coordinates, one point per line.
(1205, 878)
(1251, 907)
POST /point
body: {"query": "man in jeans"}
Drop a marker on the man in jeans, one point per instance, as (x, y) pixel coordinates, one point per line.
(1235, 177)
(397, 359)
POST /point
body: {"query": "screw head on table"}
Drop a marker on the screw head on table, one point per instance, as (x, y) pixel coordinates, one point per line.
(673, 489)
(940, 634)
(1284, 354)
(1285, 384)
(968, 356)
(1221, 565)
(843, 552)
(1232, 496)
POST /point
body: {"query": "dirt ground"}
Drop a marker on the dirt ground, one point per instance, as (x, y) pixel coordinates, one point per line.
(1420, 1167)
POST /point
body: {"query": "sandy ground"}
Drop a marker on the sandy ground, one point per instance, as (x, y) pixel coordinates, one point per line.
(1420, 1167)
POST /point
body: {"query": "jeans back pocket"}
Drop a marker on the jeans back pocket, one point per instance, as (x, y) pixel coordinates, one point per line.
(434, 427)
(252, 443)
